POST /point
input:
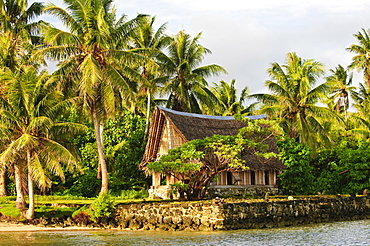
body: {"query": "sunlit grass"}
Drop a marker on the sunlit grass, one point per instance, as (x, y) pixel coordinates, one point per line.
(10, 210)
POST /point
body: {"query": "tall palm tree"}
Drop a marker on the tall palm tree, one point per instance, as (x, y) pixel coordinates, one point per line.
(149, 42)
(293, 99)
(187, 83)
(228, 102)
(361, 61)
(17, 34)
(29, 119)
(94, 61)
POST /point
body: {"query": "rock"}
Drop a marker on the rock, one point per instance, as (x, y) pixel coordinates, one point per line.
(267, 197)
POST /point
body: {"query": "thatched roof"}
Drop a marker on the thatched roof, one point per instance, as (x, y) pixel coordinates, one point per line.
(197, 126)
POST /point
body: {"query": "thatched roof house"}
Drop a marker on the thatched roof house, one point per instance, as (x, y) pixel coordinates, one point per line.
(170, 129)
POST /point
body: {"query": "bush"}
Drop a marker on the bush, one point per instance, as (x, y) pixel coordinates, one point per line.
(103, 206)
(298, 179)
(87, 185)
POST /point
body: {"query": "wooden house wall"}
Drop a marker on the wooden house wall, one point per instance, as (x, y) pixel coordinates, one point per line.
(170, 139)
(245, 178)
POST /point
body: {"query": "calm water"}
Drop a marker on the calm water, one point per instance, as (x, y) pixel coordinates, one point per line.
(339, 233)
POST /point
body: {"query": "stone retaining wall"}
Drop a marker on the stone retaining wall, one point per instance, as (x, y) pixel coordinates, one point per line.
(240, 190)
(220, 215)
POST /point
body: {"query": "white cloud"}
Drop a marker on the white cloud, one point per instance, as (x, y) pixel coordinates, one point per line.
(245, 37)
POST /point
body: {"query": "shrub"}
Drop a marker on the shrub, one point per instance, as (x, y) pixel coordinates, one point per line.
(103, 205)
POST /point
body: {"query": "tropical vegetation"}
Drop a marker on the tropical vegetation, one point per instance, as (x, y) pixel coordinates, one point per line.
(81, 130)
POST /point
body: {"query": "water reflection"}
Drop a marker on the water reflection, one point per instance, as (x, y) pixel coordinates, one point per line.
(339, 233)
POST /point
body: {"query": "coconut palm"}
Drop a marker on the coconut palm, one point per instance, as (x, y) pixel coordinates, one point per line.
(361, 119)
(228, 102)
(293, 99)
(16, 24)
(93, 61)
(149, 42)
(17, 34)
(37, 141)
(187, 81)
(361, 61)
(340, 84)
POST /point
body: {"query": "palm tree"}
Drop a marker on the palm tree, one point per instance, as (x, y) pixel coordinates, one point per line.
(17, 34)
(361, 61)
(16, 24)
(37, 141)
(149, 42)
(187, 84)
(293, 99)
(361, 119)
(340, 84)
(93, 59)
(228, 102)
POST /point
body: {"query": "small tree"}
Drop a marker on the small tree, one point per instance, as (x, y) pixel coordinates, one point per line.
(196, 163)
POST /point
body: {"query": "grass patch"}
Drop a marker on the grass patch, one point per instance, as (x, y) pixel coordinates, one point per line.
(7, 200)
(133, 194)
(52, 212)
(10, 210)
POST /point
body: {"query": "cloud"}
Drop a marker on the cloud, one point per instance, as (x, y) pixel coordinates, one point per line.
(246, 37)
(246, 42)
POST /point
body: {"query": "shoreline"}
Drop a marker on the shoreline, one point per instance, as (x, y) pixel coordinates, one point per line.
(19, 227)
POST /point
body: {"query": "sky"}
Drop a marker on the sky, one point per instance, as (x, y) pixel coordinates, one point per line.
(245, 37)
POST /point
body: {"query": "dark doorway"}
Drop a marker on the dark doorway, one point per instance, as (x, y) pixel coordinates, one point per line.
(229, 178)
(267, 178)
(253, 177)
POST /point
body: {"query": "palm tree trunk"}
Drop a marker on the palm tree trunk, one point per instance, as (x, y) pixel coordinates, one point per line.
(20, 202)
(99, 129)
(2, 182)
(31, 206)
(147, 115)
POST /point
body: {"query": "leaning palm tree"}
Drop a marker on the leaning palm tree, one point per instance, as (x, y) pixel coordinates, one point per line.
(94, 63)
(228, 102)
(37, 141)
(187, 81)
(293, 99)
(361, 61)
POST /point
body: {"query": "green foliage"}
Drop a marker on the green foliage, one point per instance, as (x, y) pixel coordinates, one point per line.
(134, 194)
(343, 169)
(298, 179)
(354, 167)
(124, 148)
(103, 205)
(86, 185)
(180, 160)
(179, 186)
